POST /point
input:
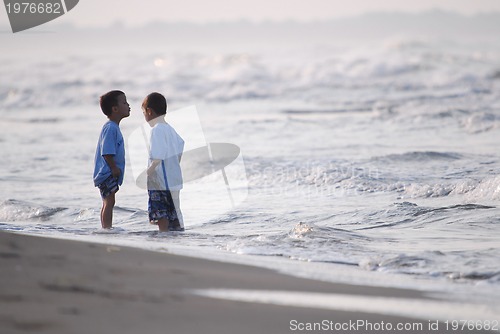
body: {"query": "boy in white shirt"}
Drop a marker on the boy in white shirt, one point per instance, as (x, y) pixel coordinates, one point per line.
(164, 171)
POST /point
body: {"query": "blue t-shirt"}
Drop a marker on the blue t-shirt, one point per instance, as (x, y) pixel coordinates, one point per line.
(110, 143)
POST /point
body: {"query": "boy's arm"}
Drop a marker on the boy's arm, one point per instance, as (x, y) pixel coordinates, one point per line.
(110, 160)
(151, 169)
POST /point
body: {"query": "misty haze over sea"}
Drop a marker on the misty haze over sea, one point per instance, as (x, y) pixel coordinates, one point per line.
(436, 24)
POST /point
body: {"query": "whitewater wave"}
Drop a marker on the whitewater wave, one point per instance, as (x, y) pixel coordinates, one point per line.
(407, 175)
(410, 70)
(412, 157)
(14, 210)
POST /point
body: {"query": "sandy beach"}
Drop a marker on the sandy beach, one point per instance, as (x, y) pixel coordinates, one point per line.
(59, 286)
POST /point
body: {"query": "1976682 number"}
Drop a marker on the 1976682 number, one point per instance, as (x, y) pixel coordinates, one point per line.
(34, 8)
(488, 325)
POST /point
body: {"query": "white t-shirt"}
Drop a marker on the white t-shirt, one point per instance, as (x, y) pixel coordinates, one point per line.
(167, 145)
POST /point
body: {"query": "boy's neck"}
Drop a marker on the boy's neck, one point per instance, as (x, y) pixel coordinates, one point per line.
(116, 120)
(157, 120)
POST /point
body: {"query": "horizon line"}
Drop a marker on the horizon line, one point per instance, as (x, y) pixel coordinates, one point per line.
(123, 24)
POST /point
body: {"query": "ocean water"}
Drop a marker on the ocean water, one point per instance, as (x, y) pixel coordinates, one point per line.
(373, 165)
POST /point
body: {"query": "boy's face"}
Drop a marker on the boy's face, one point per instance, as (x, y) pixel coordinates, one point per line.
(122, 108)
(147, 112)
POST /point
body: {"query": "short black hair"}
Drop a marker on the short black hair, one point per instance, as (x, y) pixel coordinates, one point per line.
(157, 102)
(110, 100)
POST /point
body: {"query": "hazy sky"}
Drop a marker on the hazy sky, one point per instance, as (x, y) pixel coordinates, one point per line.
(105, 12)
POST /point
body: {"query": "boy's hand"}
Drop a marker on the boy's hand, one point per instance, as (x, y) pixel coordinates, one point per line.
(116, 172)
(152, 168)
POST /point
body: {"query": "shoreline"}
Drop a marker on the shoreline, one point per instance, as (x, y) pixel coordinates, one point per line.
(62, 286)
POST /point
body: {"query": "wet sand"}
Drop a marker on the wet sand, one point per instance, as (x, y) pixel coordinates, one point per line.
(59, 286)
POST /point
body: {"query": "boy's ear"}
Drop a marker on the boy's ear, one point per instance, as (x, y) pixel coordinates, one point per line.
(114, 108)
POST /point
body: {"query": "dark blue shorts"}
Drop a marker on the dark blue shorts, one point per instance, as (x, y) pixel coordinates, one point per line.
(161, 205)
(108, 187)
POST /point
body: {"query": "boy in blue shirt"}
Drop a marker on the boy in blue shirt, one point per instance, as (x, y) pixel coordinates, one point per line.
(109, 163)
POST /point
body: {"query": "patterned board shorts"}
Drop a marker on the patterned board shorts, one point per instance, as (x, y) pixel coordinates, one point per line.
(161, 205)
(108, 187)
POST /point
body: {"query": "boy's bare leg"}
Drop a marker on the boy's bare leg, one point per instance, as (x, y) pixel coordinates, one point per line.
(163, 224)
(107, 211)
(177, 203)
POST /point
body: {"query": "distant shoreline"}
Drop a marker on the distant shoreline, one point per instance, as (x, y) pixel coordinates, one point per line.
(432, 23)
